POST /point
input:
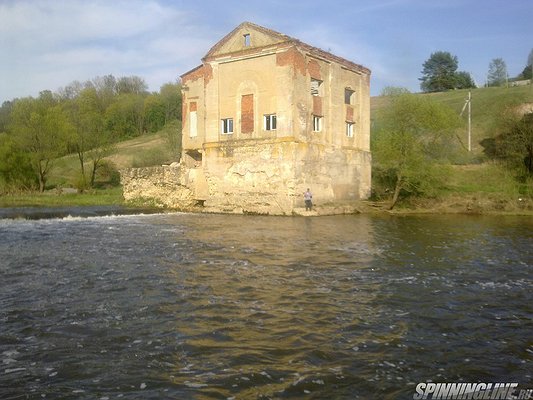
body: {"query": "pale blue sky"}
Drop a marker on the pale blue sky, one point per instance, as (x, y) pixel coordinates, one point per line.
(47, 44)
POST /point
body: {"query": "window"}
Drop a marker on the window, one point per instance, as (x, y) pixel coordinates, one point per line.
(193, 124)
(247, 41)
(226, 126)
(316, 87)
(317, 123)
(349, 96)
(349, 129)
(270, 122)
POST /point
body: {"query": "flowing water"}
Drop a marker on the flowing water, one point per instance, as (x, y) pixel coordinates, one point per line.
(183, 306)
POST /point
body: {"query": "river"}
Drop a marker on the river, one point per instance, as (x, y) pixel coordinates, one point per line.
(195, 306)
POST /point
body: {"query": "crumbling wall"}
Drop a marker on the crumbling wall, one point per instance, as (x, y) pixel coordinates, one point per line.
(166, 186)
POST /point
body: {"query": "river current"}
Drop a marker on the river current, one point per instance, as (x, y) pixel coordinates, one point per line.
(193, 306)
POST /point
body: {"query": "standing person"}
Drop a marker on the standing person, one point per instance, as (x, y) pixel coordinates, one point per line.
(308, 196)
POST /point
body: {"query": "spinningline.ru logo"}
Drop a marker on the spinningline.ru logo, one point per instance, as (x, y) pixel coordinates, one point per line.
(461, 391)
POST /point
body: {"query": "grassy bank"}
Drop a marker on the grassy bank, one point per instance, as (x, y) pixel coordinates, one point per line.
(53, 198)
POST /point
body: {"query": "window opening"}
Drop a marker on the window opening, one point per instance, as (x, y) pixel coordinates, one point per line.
(317, 123)
(270, 122)
(226, 126)
(247, 40)
(316, 87)
(193, 124)
(349, 96)
(349, 129)
(193, 158)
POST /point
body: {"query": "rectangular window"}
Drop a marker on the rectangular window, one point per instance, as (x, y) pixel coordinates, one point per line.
(193, 124)
(316, 87)
(317, 123)
(226, 126)
(247, 41)
(349, 129)
(349, 96)
(270, 122)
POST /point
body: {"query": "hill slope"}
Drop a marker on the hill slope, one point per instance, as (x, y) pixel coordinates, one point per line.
(486, 106)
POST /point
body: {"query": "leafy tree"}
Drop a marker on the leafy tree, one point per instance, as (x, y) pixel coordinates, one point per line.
(89, 139)
(171, 97)
(439, 72)
(154, 112)
(5, 114)
(514, 143)
(497, 75)
(41, 128)
(125, 116)
(131, 84)
(405, 146)
(105, 86)
(528, 69)
(15, 166)
(463, 80)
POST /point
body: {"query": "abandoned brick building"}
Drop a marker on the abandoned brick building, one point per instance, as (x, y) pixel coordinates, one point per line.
(266, 116)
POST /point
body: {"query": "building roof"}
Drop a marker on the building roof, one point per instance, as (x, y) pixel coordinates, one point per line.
(280, 39)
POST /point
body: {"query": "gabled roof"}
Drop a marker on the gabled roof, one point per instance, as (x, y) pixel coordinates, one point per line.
(233, 42)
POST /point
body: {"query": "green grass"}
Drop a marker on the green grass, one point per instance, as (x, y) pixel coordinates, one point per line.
(102, 197)
(487, 178)
(146, 150)
(487, 103)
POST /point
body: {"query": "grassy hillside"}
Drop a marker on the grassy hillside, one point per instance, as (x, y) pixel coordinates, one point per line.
(486, 105)
(142, 151)
(478, 183)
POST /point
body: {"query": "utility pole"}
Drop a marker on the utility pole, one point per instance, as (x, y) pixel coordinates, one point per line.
(469, 120)
(468, 103)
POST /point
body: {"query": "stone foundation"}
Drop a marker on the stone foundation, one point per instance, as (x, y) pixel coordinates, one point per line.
(259, 177)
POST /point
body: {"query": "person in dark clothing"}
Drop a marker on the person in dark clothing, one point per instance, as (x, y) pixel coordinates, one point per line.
(308, 197)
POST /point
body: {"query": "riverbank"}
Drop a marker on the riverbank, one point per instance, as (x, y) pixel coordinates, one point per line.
(111, 201)
(65, 198)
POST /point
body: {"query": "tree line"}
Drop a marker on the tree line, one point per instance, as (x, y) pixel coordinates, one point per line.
(85, 119)
(440, 73)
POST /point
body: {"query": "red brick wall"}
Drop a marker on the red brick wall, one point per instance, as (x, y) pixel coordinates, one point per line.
(317, 105)
(247, 113)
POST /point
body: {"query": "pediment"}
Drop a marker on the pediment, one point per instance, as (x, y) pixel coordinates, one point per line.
(245, 37)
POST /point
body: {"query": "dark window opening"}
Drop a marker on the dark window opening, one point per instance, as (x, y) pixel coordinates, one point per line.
(349, 96)
(316, 87)
(193, 158)
(270, 122)
(247, 40)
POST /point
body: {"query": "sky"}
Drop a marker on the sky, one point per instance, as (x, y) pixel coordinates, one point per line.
(47, 44)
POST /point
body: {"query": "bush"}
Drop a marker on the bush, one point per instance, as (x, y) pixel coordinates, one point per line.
(152, 158)
(107, 174)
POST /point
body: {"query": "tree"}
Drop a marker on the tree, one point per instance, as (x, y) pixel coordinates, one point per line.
(15, 166)
(527, 73)
(497, 75)
(89, 139)
(154, 112)
(405, 146)
(41, 128)
(131, 84)
(171, 97)
(125, 116)
(439, 72)
(463, 80)
(514, 144)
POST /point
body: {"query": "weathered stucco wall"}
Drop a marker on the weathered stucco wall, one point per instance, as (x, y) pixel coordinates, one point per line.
(166, 186)
(237, 159)
(264, 177)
